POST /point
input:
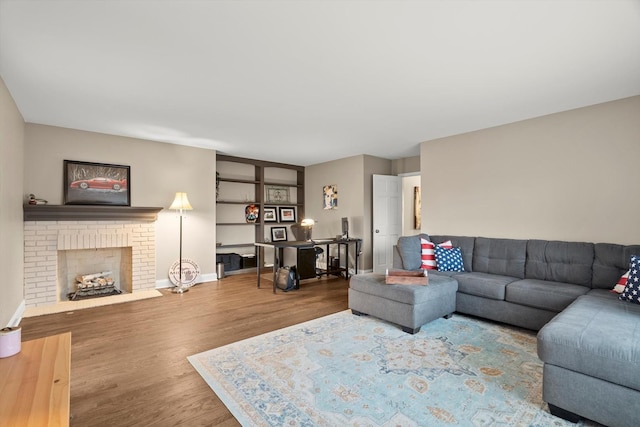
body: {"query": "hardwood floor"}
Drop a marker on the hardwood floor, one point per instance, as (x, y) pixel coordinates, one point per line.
(129, 361)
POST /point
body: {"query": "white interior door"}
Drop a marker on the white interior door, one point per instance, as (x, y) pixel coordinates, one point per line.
(387, 219)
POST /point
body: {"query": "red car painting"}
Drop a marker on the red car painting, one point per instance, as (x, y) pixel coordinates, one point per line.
(100, 183)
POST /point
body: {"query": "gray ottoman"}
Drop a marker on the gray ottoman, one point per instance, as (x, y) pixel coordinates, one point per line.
(409, 306)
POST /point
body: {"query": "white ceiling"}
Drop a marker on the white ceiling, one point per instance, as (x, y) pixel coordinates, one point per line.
(304, 82)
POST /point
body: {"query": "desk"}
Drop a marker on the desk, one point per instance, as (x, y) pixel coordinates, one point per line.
(278, 254)
(34, 384)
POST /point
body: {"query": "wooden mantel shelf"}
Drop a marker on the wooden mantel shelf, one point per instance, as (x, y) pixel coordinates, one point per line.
(89, 213)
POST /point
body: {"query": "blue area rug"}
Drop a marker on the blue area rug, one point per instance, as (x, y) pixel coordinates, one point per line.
(345, 370)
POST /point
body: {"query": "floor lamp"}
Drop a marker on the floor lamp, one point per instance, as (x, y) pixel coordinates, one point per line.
(181, 204)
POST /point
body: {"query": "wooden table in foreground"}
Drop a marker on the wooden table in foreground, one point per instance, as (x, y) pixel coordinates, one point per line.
(34, 384)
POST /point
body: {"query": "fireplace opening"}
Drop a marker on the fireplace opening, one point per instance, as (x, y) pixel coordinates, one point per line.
(92, 273)
(95, 285)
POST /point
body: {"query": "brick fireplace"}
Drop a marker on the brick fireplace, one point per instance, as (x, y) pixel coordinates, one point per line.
(81, 240)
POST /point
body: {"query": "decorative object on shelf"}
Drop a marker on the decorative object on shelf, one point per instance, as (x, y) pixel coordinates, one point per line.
(190, 273)
(270, 214)
(181, 204)
(88, 183)
(417, 208)
(251, 213)
(278, 234)
(287, 214)
(34, 201)
(217, 184)
(276, 194)
(307, 227)
(330, 197)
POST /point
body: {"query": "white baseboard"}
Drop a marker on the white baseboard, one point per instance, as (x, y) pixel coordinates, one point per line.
(166, 283)
(17, 316)
(209, 277)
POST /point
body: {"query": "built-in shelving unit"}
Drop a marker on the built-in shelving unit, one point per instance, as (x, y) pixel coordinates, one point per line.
(243, 182)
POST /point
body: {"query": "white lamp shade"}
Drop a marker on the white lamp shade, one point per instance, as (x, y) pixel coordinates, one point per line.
(181, 202)
(307, 222)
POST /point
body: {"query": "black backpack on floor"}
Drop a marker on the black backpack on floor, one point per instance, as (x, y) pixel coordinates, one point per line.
(287, 278)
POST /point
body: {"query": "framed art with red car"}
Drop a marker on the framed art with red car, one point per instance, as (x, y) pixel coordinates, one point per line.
(87, 183)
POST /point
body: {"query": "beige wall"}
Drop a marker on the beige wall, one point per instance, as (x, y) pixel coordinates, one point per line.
(11, 230)
(353, 176)
(347, 174)
(567, 176)
(158, 171)
(405, 165)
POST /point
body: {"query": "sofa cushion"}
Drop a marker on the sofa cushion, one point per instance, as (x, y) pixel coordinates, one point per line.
(483, 284)
(444, 273)
(567, 262)
(505, 257)
(596, 336)
(553, 296)
(449, 259)
(465, 244)
(631, 292)
(410, 251)
(603, 293)
(610, 262)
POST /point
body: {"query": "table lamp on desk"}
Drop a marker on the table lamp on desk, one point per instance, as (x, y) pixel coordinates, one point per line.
(307, 227)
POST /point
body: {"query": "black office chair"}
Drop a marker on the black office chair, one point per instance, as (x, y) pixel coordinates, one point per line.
(318, 251)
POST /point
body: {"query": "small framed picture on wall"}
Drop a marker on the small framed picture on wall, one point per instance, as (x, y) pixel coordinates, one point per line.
(270, 214)
(287, 214)
(278, 234)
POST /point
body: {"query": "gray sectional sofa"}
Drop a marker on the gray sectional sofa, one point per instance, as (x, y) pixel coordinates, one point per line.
(588, 340)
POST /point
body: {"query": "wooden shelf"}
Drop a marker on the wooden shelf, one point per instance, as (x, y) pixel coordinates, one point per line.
(235, 245)
(89, 213)
(283, 204)
(240, 181)
(279, 184)
(238, 223)
(236, 202)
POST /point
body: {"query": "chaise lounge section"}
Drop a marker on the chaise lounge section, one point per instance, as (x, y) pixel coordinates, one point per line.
(589, 340)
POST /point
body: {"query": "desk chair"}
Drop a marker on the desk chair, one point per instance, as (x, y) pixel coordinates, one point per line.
(318, 251)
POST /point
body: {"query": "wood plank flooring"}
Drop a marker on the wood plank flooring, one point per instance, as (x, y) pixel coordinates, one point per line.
(129, 361)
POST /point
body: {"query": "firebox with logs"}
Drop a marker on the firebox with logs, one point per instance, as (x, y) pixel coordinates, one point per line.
(94, 285)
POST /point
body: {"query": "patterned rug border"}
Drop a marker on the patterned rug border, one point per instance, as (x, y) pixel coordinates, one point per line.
(242, 411)
(219, 390)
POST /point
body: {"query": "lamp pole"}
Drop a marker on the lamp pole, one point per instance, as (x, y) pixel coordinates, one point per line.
(180, 259)
(180, 204)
